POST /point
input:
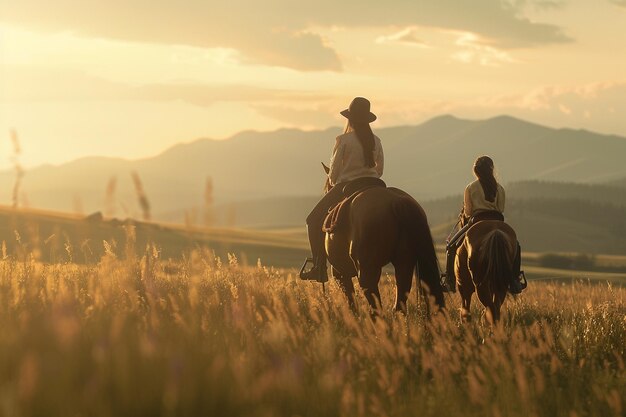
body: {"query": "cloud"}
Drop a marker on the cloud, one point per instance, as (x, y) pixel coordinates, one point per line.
(594, 106)
(202, 94)
(29, 85)
(24, 84)
(607, 95)
(564, 109)
(307, 118)
(502, 24)
(538, 4)
(259, 35)
(473, 50)
(277, 32)
(406, 36)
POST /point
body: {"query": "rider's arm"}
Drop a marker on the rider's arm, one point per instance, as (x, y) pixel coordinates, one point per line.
(500, 199)
(336, 162)
(380, 159)
(467, 203)
(462, 219)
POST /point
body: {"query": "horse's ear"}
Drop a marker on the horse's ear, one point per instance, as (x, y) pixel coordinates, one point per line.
(326, 169)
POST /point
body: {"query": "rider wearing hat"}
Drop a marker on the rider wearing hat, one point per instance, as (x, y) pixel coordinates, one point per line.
(357, 153)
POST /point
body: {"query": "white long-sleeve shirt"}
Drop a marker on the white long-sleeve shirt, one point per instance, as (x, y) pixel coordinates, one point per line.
(474, 200)
(348, 160)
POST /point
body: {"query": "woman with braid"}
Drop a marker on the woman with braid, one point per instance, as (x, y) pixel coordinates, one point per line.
(483, 200)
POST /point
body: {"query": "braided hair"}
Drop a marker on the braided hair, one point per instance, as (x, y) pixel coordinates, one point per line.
(483, 168)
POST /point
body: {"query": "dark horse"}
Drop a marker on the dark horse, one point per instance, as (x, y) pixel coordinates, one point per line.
(484, 264)
(384, 225)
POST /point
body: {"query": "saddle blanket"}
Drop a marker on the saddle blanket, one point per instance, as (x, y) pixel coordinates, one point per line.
(337, 215)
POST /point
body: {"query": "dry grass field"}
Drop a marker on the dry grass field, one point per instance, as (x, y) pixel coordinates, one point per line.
(206, 336)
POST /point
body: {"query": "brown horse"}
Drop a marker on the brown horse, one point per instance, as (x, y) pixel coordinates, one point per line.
(384, 225)
(484, 264)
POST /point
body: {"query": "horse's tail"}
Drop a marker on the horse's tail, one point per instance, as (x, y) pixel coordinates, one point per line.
(495, 254)
(413, 219)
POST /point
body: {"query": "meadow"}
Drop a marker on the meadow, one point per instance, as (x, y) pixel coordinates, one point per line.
(209, 336)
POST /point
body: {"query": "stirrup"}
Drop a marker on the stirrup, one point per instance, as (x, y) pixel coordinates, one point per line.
(321, 276)
(306, 262)
(445, 286)
(522, 280)
(518, 284)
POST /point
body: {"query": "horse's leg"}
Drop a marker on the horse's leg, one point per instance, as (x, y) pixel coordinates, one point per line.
(464, 282)
(404, 280)
(369, 276)
(485, 295)
(346, 285)
(483, 288)
(466, 301)
(498, 300)
(494, 312)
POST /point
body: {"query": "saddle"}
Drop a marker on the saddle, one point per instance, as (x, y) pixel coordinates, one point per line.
(455, 240)
(337, 215)
(487, 215)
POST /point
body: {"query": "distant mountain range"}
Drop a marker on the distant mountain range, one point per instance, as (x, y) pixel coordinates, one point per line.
(431, 161)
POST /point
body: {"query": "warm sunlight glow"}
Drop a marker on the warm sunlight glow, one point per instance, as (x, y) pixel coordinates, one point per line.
(313, 208)
(100, 87)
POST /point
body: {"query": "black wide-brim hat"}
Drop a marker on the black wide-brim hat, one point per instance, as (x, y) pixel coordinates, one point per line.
(359, 111)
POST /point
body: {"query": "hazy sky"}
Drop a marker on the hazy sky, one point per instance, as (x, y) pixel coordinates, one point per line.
(80, 77)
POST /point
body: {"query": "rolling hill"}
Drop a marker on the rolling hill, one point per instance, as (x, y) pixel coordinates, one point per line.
(49, 237)
(53, 237)
(548, 216)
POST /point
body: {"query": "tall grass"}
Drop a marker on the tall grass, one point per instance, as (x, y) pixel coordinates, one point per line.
(209, 211)
(144, 203)
(206, 336)
(17, 167)
(110, 201)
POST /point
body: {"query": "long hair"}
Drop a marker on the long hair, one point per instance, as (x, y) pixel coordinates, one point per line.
(483, 168)
(365, 136)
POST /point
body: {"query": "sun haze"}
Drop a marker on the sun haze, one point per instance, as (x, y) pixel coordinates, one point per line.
(134, 78)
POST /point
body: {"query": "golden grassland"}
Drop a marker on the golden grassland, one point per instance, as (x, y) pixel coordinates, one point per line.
(204, 336)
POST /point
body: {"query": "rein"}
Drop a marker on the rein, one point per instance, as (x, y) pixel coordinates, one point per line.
(453, 230)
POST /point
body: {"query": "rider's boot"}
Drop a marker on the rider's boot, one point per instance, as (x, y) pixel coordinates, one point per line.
(516, 286)
(448, 278)
(319, 271)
